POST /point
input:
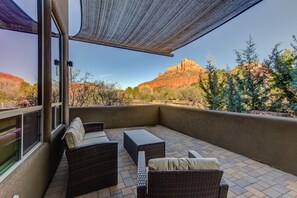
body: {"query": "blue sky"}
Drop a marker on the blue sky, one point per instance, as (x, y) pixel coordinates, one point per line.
(269, 22)
(19, 51)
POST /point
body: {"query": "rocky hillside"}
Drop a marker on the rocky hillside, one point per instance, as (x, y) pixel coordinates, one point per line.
(184, 73)
(4, 77)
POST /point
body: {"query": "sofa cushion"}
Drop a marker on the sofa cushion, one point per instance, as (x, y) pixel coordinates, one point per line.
(71, 138)
(96, 134)
(183, 164)
(80, 131)
(81, 124)
(95, 140)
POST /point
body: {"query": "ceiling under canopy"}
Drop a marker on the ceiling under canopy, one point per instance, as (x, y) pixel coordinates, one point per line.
(155, 26)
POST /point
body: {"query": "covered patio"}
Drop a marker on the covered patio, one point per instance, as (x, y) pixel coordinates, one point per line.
(257, 154)
(246, 177)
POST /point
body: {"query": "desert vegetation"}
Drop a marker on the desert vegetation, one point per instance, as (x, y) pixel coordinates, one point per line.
(16, 93)
(252, 86)
(87, 91)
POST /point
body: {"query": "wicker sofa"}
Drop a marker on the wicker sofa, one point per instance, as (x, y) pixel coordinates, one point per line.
(179, 183)
(92, 158)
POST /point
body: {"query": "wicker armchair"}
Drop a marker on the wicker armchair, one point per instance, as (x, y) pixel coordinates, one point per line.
(92, 166)
(180, 183)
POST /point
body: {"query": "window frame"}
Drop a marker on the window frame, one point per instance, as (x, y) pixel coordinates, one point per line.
(21, 112)
(38, 108)
(56, 127)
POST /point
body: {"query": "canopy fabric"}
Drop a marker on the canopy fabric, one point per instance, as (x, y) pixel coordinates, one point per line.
(14, 18)
(156, 26)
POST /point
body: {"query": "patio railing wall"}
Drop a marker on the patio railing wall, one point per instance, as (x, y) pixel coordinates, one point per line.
(271, 140)
(118, 117)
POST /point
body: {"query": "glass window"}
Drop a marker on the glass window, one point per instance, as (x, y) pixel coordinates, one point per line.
(56, 76)
(19, 66)
(56, 64)
(10, 142)
(31, 130)
(19, 56)
(18, 70)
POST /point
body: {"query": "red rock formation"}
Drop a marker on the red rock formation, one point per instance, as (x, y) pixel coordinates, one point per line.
(15, 79)
(184, 73)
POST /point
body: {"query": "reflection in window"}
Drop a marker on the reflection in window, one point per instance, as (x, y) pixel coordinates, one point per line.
(56, 66)
(18, 82)
(56, 76)
(10, 142)
(18, 70)
(19, 55)
(31, 130)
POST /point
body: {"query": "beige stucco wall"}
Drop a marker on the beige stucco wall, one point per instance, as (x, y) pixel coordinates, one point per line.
(117, 117)
(270, 140)
(30, 179)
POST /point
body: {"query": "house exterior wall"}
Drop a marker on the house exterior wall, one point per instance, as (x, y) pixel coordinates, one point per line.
(271, 140)
(31, 178)
(32, 175)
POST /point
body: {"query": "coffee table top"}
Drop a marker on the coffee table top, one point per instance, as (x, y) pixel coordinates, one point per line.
(142, 137)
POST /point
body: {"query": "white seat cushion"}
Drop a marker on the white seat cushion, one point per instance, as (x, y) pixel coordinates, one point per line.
(71, 138)
(183, 164)
(96, 134)
(81, 125)
(79, 128)
(95, 140)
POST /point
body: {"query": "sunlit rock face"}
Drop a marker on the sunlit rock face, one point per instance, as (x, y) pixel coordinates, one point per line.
(184, 73)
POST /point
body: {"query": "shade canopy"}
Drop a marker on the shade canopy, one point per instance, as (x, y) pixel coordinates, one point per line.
(14, 18)
(156, 26)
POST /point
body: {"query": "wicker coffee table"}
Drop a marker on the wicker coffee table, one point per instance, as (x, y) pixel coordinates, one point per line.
(142, 140)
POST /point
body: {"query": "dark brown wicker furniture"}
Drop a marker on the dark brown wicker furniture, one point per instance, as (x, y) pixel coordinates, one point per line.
(142, 140)
(179, 183)
(93, 166)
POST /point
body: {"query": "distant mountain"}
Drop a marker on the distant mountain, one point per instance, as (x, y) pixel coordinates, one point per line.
(184, 73)
(4, 77)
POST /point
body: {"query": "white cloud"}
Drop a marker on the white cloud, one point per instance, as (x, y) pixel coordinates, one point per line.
(105, 75)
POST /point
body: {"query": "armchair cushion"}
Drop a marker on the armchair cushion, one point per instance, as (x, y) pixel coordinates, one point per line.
(183, 164)
(76, 134)
(95, 141)
(96, 134)
(77, 124)
(71, 138)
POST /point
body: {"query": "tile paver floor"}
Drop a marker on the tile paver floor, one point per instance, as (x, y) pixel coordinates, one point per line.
(246, 177)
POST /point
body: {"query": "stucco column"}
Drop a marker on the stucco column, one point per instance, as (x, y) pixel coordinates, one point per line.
(47, 72)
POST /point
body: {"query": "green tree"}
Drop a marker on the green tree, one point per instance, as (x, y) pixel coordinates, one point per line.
(108, 94)
(252, 78)
(212, 86)
(81, 89)
(232, 96)
(282, 66)
(146, 93)
(193, 95)
(129, 91)
(162, 93)
(32, 95)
